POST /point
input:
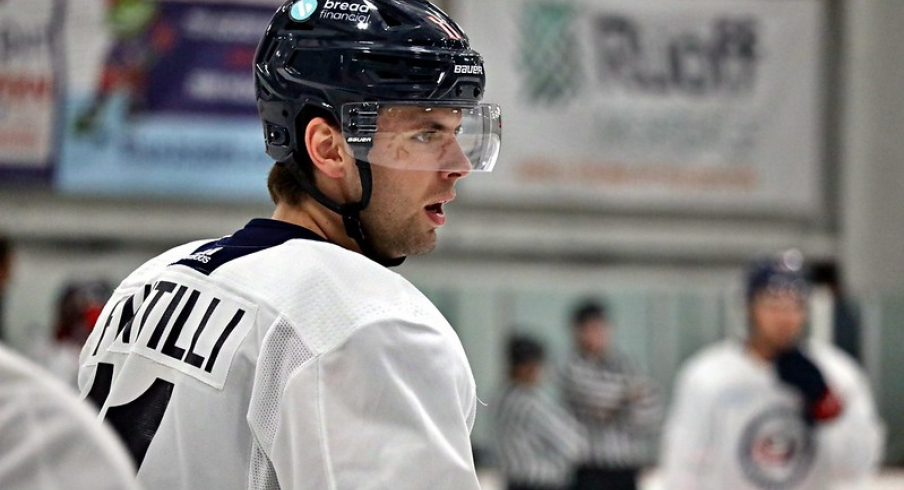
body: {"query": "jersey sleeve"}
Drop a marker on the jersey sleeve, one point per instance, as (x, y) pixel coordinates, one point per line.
(392, 407)
(686, 445)
(854, 442)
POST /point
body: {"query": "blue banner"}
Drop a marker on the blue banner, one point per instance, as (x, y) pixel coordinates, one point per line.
(167, 107)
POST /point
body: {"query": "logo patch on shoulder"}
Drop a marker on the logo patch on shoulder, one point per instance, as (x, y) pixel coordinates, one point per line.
(204, 257)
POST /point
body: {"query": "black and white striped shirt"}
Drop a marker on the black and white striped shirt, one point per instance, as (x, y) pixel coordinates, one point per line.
(539, 443)
(619, 408)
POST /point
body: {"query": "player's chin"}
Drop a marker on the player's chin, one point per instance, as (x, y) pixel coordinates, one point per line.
(424, 243)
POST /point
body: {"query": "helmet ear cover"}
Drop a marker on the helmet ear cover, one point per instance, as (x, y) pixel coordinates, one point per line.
(284, 130)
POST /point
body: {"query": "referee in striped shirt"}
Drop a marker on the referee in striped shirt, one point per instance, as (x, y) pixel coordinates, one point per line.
(618, 407)
(539, 443)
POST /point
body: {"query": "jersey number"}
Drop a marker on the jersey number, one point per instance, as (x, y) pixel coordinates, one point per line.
(136, 421)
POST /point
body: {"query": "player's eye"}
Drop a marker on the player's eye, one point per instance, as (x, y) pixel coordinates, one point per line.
(425, 136)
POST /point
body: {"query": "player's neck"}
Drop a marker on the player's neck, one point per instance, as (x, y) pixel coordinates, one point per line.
(760, 349)
(311, 215)
(592, 354)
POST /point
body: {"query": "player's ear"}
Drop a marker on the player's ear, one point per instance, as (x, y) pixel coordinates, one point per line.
(327, 148)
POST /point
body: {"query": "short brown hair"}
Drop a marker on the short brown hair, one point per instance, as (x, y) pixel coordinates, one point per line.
(587, 310)
(283, 186)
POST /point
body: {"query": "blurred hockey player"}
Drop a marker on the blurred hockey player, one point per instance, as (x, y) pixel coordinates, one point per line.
(51, 440)
(287, 355)
(78, 307)
(772, 411)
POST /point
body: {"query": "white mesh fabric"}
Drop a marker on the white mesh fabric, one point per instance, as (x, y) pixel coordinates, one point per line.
(282, 352)
(261, 475)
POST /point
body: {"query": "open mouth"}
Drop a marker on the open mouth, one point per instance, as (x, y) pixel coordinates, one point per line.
(436, 213)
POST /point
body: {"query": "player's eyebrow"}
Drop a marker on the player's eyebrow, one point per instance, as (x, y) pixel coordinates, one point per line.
(434, 122)
(437, 126)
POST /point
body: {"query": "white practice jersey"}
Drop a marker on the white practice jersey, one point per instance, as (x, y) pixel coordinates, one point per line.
(735, 425)
(51, 440)
(272, 359)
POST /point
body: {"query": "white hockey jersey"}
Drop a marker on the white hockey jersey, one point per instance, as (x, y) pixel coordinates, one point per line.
(735, 425)
(49, 439)
(272, 359)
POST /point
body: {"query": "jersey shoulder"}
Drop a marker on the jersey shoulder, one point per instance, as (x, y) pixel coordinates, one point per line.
(714, 365)
(326, 291)
(152, 268)
(839, 367)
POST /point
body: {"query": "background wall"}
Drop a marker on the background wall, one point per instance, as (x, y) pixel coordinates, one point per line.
(872, 171)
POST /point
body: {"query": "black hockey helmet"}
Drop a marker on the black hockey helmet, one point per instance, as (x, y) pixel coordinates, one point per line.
(354, 58)
(330, 53)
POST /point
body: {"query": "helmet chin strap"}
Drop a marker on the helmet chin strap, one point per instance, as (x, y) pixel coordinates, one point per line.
(350, 212)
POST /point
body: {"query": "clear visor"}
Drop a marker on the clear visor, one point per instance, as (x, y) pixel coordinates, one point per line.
(424, 137)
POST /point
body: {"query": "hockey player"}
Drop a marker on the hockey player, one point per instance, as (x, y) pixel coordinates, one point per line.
(287, 355)
(51, 440)
(773, 411)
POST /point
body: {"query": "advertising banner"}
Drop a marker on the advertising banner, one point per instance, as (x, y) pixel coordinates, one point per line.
(161, 99)
(655, 105)
(31, 86)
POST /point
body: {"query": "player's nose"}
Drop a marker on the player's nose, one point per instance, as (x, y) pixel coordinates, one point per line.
(456, 163)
